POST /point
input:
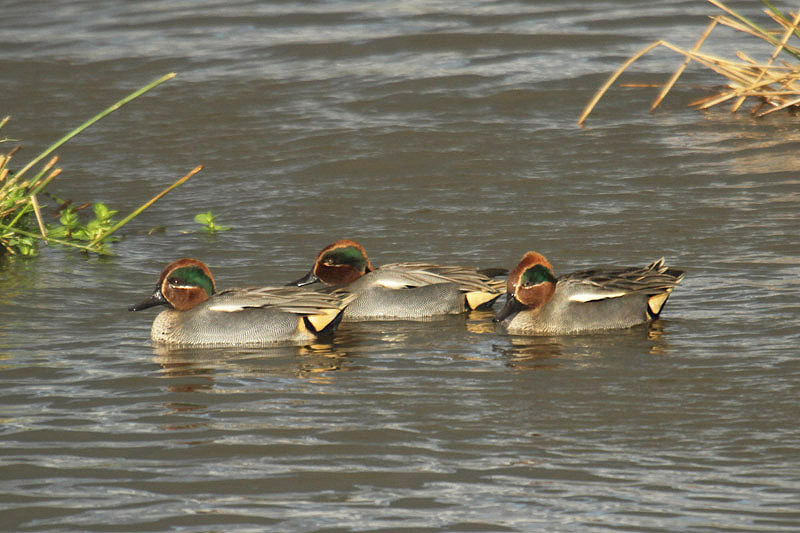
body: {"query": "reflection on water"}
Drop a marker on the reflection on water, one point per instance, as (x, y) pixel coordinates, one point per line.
(427, 131)
(480, 322)
(535, 353)
(312, 362)
(659, 343)
(552, 353)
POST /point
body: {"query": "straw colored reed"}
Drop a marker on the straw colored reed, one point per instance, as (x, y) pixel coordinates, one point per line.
(773, 84)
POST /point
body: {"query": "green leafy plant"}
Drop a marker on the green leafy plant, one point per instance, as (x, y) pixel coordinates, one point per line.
(71, 228)
(24, 246)
(20, 215)
(207, 220)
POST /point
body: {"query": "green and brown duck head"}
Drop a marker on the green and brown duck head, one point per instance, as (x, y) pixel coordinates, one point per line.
(339, 263)
(529, 286)
(182, 285)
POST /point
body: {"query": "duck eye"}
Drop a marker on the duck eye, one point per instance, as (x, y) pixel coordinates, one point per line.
(329, 261)
(177, 282)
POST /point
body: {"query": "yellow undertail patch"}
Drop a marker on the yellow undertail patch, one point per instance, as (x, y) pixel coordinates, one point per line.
(476, 299)
(656, 302)
(321, 321)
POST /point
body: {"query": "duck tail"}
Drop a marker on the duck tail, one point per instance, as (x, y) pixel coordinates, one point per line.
(656, 302)
(483, 298)
(323, 324)
(480, 299)
(324, 320)
(675, 273)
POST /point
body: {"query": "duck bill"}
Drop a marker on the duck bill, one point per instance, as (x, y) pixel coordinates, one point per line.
(308, 279)
(155, 299)
(512, 307)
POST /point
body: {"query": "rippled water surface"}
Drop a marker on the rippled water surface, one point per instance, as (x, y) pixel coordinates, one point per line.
(433, 131)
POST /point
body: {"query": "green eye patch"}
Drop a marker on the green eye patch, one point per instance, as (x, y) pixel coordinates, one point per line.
(346, 256)
(537, 274)
(191, 276)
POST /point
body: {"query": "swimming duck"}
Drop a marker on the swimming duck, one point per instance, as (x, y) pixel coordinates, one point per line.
(199, 315)
(401, 290)
(539, 303)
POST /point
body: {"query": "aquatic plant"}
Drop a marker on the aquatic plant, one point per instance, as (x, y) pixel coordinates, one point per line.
(71, 229)
(21, 224)
(771, 83)
(207, 220)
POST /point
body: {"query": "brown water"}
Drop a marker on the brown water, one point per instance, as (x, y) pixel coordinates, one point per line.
(434, 131)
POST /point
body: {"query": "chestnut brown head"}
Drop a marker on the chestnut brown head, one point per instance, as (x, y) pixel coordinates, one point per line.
(182, 285)
(339, 263)
(530, 285)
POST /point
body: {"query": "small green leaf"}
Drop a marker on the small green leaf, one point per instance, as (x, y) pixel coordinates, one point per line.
(57, 232)
(207, 220)
(81, 235)
(69, 218)
(100, 210)
(94, 225)
(204, 218)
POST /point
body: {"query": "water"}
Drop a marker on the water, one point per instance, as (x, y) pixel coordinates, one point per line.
(427, 131)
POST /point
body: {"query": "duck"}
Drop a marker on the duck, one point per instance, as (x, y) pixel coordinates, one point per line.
(539, 303)
(198, 315)
(401, 290)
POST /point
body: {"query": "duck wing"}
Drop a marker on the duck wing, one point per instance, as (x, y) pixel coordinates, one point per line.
(407, 275)
(602, 283)
(297, 300)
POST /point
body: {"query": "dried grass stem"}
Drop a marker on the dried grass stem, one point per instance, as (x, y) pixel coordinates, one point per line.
(773, 83)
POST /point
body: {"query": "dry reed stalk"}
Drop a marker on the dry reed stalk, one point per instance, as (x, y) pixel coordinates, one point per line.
(787, 34)
(774, 84)
(38, 212)
(145, 205)
(784, 105)
(686, 61)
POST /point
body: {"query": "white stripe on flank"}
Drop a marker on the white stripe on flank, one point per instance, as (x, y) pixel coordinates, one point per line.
(392, 284)
(226, 308)
(592, 296)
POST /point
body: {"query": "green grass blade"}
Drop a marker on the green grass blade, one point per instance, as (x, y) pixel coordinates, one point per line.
(94, 119)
